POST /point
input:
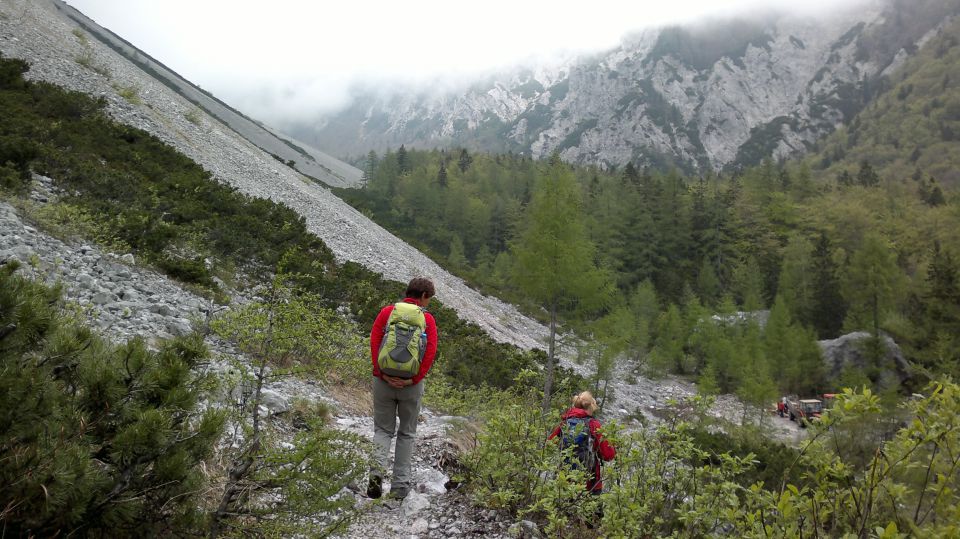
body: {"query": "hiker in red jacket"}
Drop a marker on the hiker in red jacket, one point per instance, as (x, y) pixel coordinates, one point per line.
(406, 357)
(584, 406)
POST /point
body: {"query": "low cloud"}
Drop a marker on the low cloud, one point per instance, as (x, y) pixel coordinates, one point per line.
(288, 60)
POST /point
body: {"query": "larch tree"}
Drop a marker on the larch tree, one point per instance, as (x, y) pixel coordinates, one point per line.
(829, 307)
(871, 284)
(796, 285)
(554, 259)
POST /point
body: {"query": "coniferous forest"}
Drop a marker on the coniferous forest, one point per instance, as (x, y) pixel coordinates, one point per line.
(825, 257)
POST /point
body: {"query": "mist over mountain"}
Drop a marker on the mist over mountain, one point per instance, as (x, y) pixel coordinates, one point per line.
(715, 95)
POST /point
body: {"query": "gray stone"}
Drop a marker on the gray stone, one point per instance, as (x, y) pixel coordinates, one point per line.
(419, 526)
(413, 504)
(274, 401)
(432, 481)
(129, 294)
(161, 309)
(848, 351)
(103, 298)
(19, 252)
(525, 529)
(85, 249)
(85, 280)
(179, 327)
(127, 259)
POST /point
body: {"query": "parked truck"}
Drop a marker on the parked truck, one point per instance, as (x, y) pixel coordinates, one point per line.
(804, 411)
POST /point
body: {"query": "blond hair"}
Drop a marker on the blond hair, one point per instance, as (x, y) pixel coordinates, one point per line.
(585, 401)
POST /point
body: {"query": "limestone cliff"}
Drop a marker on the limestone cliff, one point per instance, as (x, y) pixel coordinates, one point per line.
(714, 95)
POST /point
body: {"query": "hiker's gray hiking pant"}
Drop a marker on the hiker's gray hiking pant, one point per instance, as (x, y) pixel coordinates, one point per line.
(388, 405)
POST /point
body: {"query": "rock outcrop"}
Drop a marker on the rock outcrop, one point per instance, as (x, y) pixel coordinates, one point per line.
(851, 351)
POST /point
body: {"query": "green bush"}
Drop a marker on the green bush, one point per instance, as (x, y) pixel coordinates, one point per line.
(188, 270)
(97, 439)
(664, 483)
(774, 462)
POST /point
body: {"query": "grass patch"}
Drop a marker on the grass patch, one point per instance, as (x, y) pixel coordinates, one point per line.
(82, 37)
(131, 94)
(194, 117)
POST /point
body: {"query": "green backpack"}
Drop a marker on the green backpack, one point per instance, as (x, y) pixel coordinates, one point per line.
(404, 341)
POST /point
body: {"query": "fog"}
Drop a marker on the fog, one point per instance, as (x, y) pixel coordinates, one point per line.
(288, 60)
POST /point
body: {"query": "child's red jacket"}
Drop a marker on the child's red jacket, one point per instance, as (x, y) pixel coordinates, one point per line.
(604, 449)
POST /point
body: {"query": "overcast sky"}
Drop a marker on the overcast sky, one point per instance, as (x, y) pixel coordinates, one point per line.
(286, 59)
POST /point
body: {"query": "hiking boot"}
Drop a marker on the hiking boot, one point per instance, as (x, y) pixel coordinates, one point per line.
(375, 487)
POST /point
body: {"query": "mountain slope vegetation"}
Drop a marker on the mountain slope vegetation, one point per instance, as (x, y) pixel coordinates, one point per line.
(826, 256)
(911, 131)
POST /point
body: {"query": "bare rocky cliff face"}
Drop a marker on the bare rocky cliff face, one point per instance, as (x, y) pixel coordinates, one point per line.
(721, 94)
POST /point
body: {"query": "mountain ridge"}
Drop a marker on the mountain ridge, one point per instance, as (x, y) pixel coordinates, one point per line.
(694, 97)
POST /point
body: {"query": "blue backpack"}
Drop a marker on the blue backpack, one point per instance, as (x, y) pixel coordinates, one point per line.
(575, 433)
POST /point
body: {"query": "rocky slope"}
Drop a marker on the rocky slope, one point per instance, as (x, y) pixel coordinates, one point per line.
(36, 31)
(302, 157)
(123, 300)
(709, 96)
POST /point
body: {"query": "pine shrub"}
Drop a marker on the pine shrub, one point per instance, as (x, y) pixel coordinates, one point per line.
(97, 439)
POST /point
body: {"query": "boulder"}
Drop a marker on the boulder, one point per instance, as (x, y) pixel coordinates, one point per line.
(179, 326)
(851, 351)
(103, 297)
(273, 401)
(128, 259)
(18, 252)
(432, 481)
(419, 526)
(161, 309)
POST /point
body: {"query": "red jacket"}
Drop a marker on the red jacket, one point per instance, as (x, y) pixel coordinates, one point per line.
(380, 327)
(604, 449)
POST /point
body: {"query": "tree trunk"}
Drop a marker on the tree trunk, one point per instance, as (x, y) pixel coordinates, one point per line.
(551, 349)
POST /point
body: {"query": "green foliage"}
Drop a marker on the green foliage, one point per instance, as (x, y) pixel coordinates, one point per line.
(98, 439)
(914, 123)
(74, 222)
(129, 93)
(681, 480)
(774, 229)
(554, 258)
(301, 336)
(872, 284)
(288, 489)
